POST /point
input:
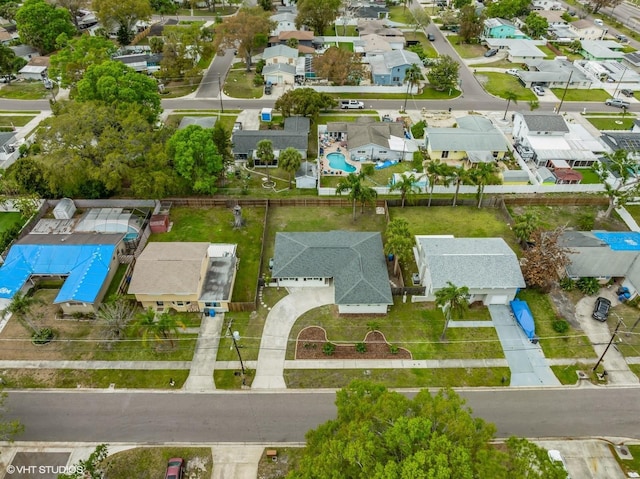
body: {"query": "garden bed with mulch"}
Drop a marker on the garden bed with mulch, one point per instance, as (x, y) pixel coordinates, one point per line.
(311, 342)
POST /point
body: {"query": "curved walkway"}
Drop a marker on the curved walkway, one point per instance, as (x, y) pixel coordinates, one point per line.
(275, 337)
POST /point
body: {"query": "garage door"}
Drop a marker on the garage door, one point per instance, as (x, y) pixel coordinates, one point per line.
(498, 299)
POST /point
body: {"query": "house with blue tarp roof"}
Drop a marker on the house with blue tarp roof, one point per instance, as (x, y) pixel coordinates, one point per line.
(604, 255)
(86, 261)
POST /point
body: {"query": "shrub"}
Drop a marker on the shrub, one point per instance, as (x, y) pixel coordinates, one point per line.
(417, 130)
(567, 284)
(42, 336)
(329, 349)
(588, 286)
(560, 326)
(361, 347)
(258, 80)
(586, 221)
(373, 326)
(393, 349)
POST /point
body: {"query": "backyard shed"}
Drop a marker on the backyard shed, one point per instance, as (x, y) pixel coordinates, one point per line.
(266, 114)
(65, 209)
(159, 223)
(524, 317)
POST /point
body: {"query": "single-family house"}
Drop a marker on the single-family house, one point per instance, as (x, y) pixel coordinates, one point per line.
(501, 28)
(541, 5)
(551, 139)
(282, 54)
(554, 74)
(295, 134)
(285, 22)
(553, 17)
(393, 36)
(280, 73)
(305, 40)
(86, 261)
(372, 44)
(142, 63)
(206, 122)
(353, 263)
(390, 68)
(586, 30)
(185, 276)
(603, 255)
(25, 51)
(623, 140)
(370, 140)
(632, 59)
(33, 72)
(487, 266)
(307, 175)
(476, 139)
(368, 11)
(601, 50)
(518, 50)
(6, 37)
(562, 32)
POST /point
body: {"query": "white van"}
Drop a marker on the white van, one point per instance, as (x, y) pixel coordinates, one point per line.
(598, 22)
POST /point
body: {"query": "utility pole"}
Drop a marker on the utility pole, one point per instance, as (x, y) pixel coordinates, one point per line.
(236, 337)
(613, 336)
(565, 91)
(220, 93)
(619, 81)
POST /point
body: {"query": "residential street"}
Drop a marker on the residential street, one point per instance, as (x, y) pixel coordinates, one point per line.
(151, 417)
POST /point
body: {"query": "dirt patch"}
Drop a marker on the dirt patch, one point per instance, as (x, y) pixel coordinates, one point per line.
(311, 341)
(564, 307)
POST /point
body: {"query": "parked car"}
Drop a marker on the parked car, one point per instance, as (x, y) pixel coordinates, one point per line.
(175, 468)
(270, 263)
(538, 90)
(431, 37)
(598, 22)
(512, 71)
(555, 456)
(267, 88)
(622, 38)
(617, 102)
(601, 309)
(237, 126)
(491, 52)
(415, 278)
(626, 92)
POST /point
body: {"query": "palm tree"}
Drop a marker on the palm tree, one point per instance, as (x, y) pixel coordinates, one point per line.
(114, 318)
(353, 184)
(159, 327)
(454, 301)
(406, 186)
(21, 307)
(510, 96)
(534, 104)
(398, 241)
(290, 160)
(457, 176)
(436, 171)
(411, 76)
(367, 195)
(524, 225)
(264, 152)
(481, 175)
(167, 325)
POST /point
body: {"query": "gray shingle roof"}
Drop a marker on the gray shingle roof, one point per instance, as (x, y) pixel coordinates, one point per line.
(475, 134)
(355, 261)
(477, 263)
(245, 141)
(591, 257)
(545, 122)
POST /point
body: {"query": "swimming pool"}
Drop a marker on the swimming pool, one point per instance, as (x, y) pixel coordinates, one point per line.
(337, 161)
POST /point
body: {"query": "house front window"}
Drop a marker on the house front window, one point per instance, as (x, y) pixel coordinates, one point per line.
(445, 154)
(395, 79)
(160, 303)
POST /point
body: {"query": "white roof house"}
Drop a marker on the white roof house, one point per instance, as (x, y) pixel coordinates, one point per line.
(518, 49)
(601, 50)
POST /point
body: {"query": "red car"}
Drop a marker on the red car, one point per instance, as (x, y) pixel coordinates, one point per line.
(175, 468)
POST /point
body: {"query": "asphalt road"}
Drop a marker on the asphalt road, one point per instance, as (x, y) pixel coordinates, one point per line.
(144, 417)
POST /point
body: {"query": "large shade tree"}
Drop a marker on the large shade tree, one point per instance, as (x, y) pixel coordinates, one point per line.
(380, 434)
(317, 14)
(247, 30)
(444, 73)
(10, 63)
(114, 83)
(196, 158)
(304, 102)
(70, 63)
(40, 23)
(339, 66)
(122, 15)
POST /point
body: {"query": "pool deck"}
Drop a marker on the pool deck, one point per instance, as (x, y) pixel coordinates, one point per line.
(334, 147)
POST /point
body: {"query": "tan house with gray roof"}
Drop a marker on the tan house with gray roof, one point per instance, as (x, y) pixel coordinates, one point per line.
(185, 276)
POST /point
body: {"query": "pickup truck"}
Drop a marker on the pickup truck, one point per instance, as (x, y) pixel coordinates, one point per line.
(351, 105)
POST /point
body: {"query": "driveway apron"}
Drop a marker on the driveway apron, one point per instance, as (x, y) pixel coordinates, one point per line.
(526, 360)
(275, 337)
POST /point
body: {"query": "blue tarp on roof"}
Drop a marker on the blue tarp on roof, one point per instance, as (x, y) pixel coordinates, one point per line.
(617, 241)
(524, 317)
(86, 268)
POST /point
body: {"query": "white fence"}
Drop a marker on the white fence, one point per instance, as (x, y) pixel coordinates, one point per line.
(490, 189)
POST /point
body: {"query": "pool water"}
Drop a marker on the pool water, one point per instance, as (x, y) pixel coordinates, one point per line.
(337, 161)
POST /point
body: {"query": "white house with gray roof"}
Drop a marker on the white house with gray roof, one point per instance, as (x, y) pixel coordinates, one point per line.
(295, 134)
(487, 266)
(390, 68)
(353, 263)
(518, 50)
(476, 139)
(554, 74)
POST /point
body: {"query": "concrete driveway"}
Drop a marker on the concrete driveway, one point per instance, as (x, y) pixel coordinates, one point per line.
(590, 459)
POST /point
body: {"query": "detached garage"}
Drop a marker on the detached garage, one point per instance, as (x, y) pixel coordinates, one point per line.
(487, 266)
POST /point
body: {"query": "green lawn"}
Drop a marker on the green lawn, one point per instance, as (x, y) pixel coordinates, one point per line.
(28, 90)
(572, 344)
(579, 94)
(115, 282)
(612, 123)
(239, 84)
(250, 328)
(227, 119)
(427, 93)
(15, 120)
(576, 217)
(7, 220)
(547, 51)
(499, 84)
(339, 30)
(136, 350)
(466, 50)
(568, 375)
(628, 340)
(398, 378)
(628, 465)
(151, 462)
(346, 46)
(401, 14)
(497, 64)
(323, 119)
(215, 225)
(589, 177)
(413, 326)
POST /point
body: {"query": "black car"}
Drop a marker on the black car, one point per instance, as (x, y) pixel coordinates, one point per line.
(431, 37)
(601, 309)
(626, 92)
